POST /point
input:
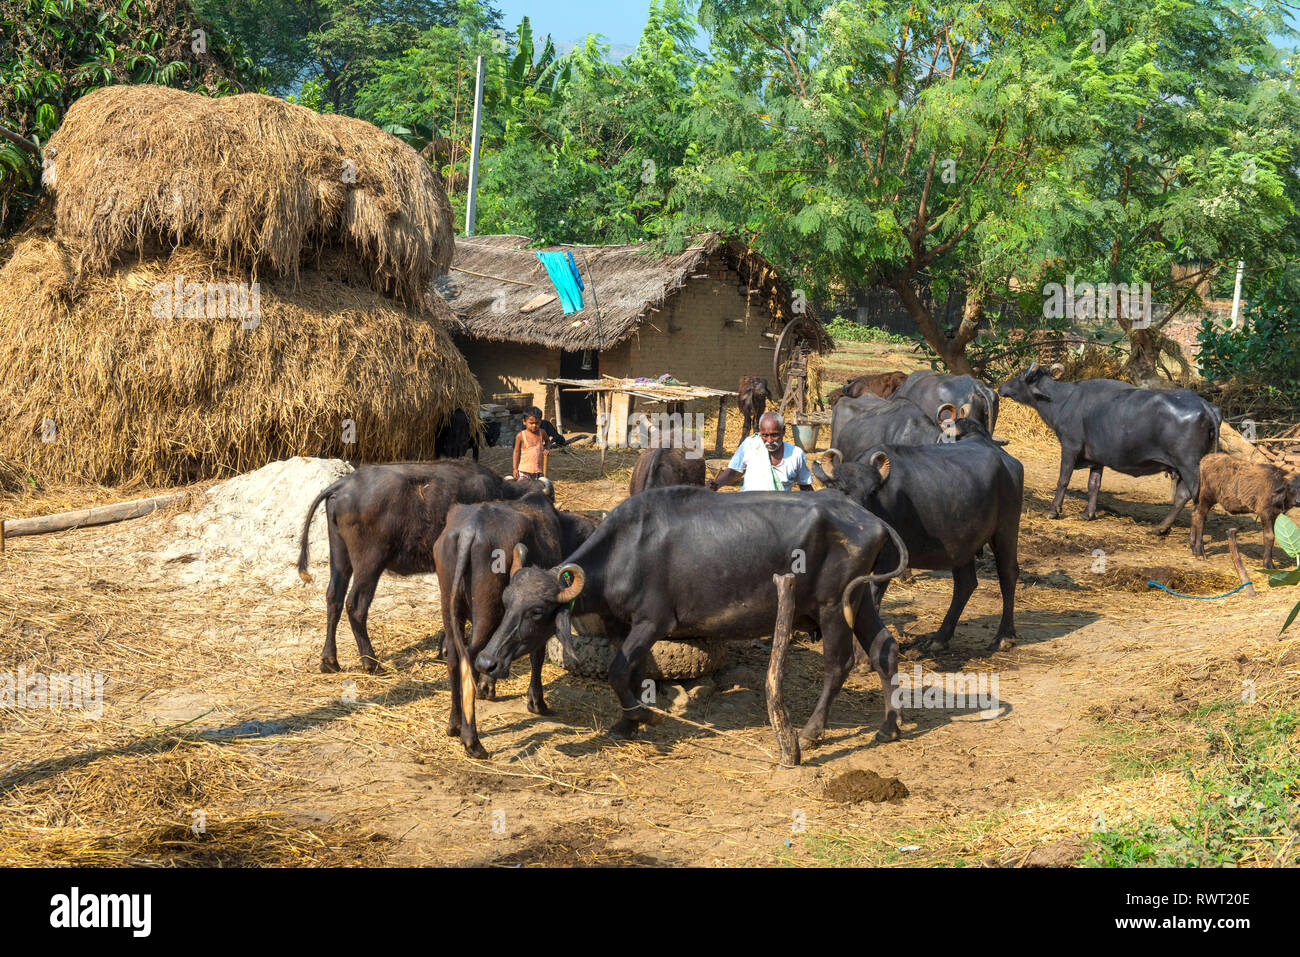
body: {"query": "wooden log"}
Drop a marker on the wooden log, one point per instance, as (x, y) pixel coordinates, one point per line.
(1231, 441)
(1236, 560)
(787, 742)
(100, 515)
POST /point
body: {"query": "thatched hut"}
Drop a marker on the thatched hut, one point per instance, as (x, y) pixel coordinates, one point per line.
(223, 283)
(706, 315)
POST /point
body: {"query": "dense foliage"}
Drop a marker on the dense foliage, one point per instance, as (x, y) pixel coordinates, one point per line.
(54, 51)
(966, 146)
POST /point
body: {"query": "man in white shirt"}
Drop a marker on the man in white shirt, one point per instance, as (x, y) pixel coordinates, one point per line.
(767, 461)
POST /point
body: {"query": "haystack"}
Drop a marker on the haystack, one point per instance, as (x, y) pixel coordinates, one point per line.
(96, 385)
(261, 183)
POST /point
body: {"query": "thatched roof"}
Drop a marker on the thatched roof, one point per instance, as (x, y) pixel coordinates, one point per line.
(132, 394)
(264, 184)
(493, 278)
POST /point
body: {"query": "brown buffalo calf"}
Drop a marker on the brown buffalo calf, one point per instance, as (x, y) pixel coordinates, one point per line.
(883, 384)
(1243, 488)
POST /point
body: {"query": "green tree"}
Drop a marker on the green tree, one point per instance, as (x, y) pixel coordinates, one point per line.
(54, 51)
(1190, 160)
(881, 142)
(339, 44)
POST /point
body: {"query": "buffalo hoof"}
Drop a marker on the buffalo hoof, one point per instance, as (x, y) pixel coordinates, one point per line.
(809, 741)
(538, 707)
(453, 730)
(1003, 643)
(886, 734)
(624, 730)
(440, 647)
(936, 644)
(487, 688)
(1053, 515)
(329, 666)
(371, 666)
(1162, 532)
(476, 750)
(1089, 518)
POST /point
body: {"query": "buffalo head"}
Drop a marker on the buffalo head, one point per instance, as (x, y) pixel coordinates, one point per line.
(1027, 387)
(535, 607)
(859, 481)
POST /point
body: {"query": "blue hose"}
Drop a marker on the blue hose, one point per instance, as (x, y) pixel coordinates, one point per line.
(1156, 584)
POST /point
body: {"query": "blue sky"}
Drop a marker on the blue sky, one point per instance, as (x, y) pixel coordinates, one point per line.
(621, 21)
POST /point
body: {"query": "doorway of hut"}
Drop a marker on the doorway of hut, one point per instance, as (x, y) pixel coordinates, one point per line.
(578, 409)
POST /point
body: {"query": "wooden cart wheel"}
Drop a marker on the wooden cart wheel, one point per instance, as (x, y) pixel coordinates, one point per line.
(794, 349)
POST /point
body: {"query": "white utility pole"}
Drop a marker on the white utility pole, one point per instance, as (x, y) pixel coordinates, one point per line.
(472, 208)
(1236, 293)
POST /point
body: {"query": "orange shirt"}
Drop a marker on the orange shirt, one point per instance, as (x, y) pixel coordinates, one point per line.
(530, 451)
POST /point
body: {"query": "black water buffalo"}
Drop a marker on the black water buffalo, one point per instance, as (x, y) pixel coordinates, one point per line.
(387, 518)
(455, 438)
(929, 390)
(683, 561)
(858, 424)
(660, 468)
(1105, 423)
(483, 545)
(947, 501)
(752, 402)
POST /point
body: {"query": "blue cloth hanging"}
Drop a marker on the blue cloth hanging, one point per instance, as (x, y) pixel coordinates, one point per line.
(562, 269)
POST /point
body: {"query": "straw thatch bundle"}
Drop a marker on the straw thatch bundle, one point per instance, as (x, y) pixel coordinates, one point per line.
(258, 181)
(132, 394)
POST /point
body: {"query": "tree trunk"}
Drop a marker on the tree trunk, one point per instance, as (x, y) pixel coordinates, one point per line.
(951, 349)
(1143, 357)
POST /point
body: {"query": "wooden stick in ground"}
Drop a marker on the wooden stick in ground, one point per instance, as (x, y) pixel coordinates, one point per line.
(787, 742)
(1236, 560)
(101, 515)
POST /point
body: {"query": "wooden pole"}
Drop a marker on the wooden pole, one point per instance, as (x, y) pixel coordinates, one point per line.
(722, 427)
(100, 515)
(787, 742)
(1236, 560)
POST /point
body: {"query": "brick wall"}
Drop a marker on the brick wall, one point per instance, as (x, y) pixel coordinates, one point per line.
(503, 367)
(705, 336)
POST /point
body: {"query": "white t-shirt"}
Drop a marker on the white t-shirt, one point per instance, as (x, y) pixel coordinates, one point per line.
(761, 475)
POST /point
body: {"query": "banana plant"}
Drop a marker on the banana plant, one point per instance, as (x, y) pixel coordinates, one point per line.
(1287, 534)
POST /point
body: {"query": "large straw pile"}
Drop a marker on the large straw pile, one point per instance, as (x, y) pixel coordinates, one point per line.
(103, 377)
(130, 395)
(260, 182)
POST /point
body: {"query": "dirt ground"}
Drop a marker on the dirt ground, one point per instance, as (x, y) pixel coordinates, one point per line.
(221, 743)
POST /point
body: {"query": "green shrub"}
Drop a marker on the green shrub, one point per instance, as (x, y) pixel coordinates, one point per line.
(1266, 349)
(843, 330)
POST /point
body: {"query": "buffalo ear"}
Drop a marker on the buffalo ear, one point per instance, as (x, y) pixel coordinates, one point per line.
(946, 407)
(521, 557)
(1055, 370)
(880, 462)
(564, 629)
(1038, 393)
(965, 411)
